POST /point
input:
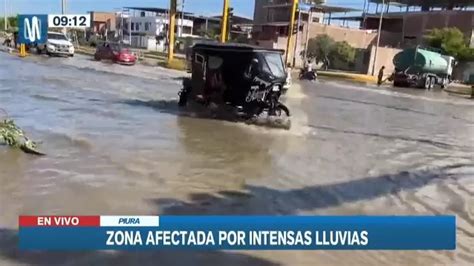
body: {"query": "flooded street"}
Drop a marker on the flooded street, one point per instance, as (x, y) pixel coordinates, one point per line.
(117, 143)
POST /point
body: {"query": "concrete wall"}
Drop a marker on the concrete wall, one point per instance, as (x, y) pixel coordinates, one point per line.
(418, 24)
(361, 39)
(156, 25)
(412, 26)
(384, 58)
(101, 19)
(355, 37)
(464, 71)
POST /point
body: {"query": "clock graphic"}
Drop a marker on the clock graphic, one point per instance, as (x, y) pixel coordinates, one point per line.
(69, 21)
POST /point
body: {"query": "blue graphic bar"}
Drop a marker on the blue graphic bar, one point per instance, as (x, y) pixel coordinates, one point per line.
(253, 233)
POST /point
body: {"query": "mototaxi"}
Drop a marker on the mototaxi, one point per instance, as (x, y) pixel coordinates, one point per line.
(248, 78)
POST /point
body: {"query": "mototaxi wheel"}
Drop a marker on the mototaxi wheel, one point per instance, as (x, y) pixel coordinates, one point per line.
(282, 107)
(277, 111)
(184, 93)
(183, 97)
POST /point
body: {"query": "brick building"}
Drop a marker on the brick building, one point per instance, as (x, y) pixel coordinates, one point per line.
(272, 18)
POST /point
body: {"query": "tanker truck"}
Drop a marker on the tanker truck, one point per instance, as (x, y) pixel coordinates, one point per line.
(422, 68)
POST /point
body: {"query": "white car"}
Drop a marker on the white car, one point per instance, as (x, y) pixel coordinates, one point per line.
(57, 44)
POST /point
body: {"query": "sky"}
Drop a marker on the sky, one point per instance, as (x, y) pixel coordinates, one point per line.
(202, 7)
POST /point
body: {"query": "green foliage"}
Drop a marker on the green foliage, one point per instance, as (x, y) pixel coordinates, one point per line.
(12, 23)
(240, 39)
(323, 48)
(451, 41)
(320, 47)
(211, 33)
(343, 52)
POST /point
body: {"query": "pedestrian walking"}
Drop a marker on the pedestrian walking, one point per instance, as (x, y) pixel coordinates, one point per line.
(380, 76)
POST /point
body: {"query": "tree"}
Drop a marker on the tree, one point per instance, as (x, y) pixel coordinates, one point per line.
(325, 49)
(320, 47)
(451, 41)
(343, 52)
(12, 22)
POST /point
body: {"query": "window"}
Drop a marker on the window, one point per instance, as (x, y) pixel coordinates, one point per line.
(137, 26)
(199, 59)
(56, 36)
(132, 26)
(282, 30)
(147, 26)
(142, 14)
(274, 64)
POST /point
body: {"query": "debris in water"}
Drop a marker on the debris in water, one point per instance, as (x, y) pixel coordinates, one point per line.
(12, 135)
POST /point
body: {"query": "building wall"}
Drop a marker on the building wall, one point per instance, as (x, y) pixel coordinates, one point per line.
(418, 24)
(359, 39)
(355, 37)
(101, 19)
(384, 58)
(156, 25)
(464, 72)
(277, 14)
(259, 13)
(414, 25)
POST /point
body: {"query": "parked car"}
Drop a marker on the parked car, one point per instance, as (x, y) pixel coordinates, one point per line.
(56, 44)
(118, 53)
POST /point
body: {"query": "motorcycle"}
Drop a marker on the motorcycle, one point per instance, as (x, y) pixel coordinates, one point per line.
(308, 75)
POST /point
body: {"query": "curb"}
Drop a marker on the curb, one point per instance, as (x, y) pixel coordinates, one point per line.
(6, 49)
(348, 76)
(84, 52)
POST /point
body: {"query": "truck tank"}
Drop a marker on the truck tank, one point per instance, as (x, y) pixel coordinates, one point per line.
(420, 60)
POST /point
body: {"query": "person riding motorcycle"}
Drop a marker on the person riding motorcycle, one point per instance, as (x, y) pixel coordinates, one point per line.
(309, 66)
(307, 72)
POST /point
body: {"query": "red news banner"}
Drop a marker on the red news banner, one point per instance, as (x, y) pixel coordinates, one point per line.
(57, 221)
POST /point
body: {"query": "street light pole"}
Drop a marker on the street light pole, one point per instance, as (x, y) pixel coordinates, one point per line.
(296, 37)
(5, 16)
(121, 25)
(378, 39)
(305, 52)
(182, 18)
(224, 21)
(63, 6)
(171, 25)
(290, 30)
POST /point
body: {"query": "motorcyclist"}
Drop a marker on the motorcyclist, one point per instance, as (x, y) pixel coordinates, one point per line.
(309, 67)
(308, 71)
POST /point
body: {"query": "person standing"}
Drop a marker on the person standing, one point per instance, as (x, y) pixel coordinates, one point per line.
(380, 76)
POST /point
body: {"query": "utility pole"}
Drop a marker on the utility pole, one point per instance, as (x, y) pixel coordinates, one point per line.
(224, 21)
(5, 22)
(63, 10)
(290, 30)
(310, 13)
(63, 6)
(296, 37)
(378, 39)
(171, 24)
(182, 19)
(122, 25)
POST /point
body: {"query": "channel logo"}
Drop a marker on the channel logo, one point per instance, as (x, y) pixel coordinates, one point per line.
(32, 29)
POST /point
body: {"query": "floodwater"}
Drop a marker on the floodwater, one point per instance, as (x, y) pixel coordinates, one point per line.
(117, 144)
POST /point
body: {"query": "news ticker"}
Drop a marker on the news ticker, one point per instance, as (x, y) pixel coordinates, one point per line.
(237, 232)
